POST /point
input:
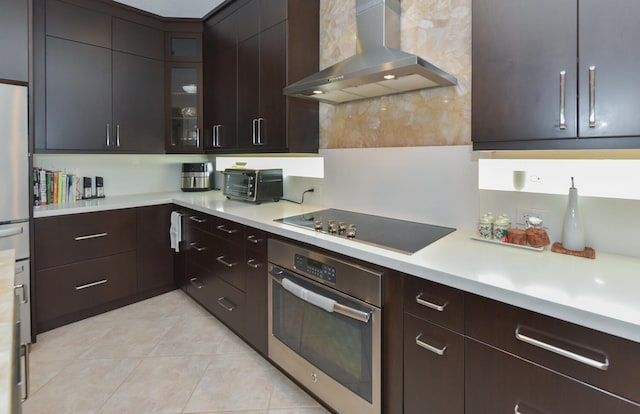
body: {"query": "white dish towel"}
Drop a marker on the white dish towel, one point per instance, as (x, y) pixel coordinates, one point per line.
(175, 232)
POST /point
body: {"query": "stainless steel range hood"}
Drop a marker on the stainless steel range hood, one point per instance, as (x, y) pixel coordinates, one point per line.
(379, 68)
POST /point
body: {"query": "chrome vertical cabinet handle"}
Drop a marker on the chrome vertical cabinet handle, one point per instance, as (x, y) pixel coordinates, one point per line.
(118, 135)
(254, 132)
(260, 123)
(592, 96)
(197, 137)
(108, 135)
(563, 90)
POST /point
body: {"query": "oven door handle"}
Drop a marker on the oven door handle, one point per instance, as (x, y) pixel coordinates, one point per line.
(323, 302)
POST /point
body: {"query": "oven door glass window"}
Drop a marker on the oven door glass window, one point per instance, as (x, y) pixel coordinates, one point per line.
(339, 346)
(237, 184)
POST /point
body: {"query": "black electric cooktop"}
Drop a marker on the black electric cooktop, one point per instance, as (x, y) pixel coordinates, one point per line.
(400, 235)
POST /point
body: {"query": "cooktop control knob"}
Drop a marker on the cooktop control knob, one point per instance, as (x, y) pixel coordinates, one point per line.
(318, 225)
(351, 231)
(333, 227)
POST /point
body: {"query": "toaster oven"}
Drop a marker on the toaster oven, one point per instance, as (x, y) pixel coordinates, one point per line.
(255, 186)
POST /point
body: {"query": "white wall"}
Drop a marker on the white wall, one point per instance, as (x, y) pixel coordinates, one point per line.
(436, 185)
(123, 173)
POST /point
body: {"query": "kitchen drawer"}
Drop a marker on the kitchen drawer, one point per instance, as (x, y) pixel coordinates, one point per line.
(433, 368)
(256, 287)
(229, 263)
(201, 248)
(224, 301)
(255, 242)
(434, 302)
(200, 221)
(198, 285)
(223, 259)
(603, 360)
(228, 230)
(73, 238)
(501, 383)
(79, 286)
(229, 304)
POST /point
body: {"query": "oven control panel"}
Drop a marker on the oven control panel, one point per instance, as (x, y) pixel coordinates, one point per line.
(316, 268)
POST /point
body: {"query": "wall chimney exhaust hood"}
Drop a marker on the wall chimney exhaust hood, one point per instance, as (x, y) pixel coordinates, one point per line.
(379, 67)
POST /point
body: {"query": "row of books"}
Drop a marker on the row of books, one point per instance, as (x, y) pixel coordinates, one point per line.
(55, 187)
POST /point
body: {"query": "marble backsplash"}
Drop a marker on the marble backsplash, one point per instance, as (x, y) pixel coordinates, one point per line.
(437, 30)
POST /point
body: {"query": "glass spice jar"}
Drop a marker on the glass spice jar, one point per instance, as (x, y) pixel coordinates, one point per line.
(500, 227)
(485, 226)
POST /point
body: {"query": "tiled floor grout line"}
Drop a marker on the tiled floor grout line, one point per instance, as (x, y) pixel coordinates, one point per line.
(120, 385)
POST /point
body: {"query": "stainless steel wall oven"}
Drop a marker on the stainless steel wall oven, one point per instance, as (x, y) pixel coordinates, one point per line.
(325, 325)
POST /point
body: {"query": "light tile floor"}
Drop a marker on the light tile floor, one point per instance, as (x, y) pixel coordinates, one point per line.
(163, 355)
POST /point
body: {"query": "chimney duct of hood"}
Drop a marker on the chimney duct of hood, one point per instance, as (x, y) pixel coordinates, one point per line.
(379, 67)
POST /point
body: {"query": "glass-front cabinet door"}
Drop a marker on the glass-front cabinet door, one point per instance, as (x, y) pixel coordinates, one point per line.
(184, 128)
(184, 92)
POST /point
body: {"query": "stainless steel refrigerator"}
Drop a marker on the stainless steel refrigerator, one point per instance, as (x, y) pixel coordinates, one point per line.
(14, 196)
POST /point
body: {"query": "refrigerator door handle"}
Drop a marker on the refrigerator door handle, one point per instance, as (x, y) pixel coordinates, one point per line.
(11, 232)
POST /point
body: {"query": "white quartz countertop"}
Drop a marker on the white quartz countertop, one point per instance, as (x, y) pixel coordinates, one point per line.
(7, 296)
(601, 293)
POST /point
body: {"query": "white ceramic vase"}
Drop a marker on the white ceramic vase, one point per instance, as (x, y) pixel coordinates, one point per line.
(573, 230)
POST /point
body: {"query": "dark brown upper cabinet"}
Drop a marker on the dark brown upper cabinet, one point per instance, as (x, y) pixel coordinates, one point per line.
(256, 49)
(220, 54)
(14, 41)
(103, 81)
(555, 74)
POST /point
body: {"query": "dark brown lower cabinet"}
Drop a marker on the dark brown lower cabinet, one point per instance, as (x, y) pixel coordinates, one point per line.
(91, 263)
(228, 304)
(433, 369)
(497, 382)
(198, 284)
(64, 292)
(256, 286)
(155, 257)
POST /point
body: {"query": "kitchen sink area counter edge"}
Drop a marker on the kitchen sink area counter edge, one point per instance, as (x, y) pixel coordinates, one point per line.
(600, 294)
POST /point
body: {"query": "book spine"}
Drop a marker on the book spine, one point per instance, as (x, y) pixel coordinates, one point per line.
(36, 186)
(43, 187)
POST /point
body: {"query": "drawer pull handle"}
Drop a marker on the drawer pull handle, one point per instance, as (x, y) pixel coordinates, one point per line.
(198, 249)
(422, 344)
(253, 239)
(563, 352)
(431, 305)
(92, 284)
(197, 220)
(226, 230)
(91, 236)
(195, 283)
(226, 303)
(11, 232)
(252, 263)
(224, 262)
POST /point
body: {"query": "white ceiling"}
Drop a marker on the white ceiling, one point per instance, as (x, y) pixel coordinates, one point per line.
(174, 8)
